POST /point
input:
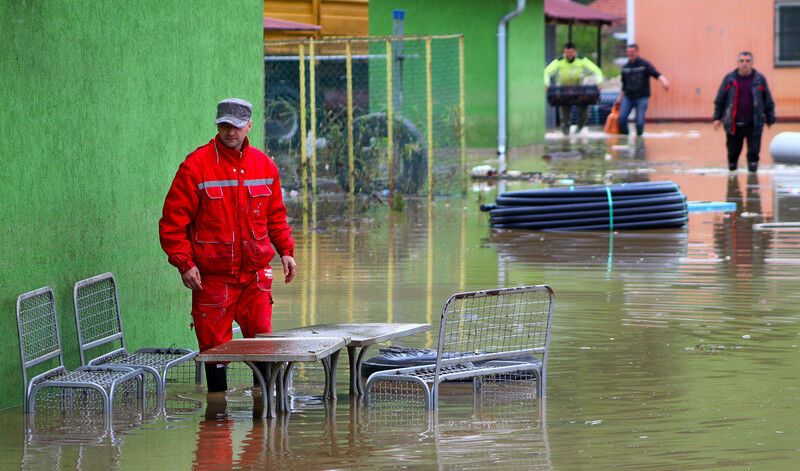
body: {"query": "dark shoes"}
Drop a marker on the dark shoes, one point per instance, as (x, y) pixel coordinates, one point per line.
(216, 377)
(751, 166)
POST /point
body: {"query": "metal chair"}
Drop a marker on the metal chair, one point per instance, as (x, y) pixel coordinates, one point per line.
(493, 336)
(99, 323)
(40, 344)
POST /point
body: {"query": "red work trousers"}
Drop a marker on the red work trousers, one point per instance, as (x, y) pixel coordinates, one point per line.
(219, 303)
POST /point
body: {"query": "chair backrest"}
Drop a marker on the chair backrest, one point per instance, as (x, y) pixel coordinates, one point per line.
(39, 334)
(97, 313)
(496, 324)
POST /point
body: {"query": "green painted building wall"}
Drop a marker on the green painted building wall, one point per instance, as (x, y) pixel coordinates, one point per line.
(478, 20)
(100, 103)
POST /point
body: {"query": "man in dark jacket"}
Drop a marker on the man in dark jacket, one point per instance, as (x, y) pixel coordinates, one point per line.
(635, 94)
(742, 106)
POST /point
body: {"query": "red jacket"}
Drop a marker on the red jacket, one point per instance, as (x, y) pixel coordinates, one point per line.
(224, 211)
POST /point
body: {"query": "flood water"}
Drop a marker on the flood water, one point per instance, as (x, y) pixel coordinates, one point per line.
(671, 349)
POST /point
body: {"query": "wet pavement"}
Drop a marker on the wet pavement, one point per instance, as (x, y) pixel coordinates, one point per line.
(671, 349)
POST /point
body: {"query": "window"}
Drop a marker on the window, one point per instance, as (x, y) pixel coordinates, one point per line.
(787, 33)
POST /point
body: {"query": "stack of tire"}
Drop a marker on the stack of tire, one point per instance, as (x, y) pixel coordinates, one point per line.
(640, 205)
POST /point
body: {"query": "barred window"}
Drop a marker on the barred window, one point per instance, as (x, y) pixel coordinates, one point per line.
(787, 33)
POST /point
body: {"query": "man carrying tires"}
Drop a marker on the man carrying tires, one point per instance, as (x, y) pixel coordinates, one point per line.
(572, 69)
(222, 216)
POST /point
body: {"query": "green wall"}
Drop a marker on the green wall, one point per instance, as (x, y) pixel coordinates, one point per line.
(478, 20)
(100, 103)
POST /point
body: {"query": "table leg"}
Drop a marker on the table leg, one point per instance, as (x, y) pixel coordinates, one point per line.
(356, 359)
(329, 365)
(266, 388)
(284, 380)
(359, 362)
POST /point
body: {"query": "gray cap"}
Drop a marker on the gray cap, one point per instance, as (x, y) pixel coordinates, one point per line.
(234, 111)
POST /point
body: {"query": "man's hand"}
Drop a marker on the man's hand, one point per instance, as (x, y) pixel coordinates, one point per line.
(716, 124)
(289, 268)
(191, 279)
(664, 82)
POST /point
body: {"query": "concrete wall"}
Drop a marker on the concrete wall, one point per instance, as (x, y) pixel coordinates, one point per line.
(101, 101)
(477, 20)
(712, 33)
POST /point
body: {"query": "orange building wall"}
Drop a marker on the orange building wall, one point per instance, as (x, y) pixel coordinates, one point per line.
(694, 43)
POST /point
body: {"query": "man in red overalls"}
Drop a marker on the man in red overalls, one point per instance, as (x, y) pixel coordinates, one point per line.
(222, 215)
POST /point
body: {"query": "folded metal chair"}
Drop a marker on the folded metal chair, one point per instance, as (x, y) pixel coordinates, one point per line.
(40, 346)
(99, 323)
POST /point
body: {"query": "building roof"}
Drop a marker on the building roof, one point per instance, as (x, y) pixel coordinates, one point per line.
(618, 8)
(274, 24)
(567, 11)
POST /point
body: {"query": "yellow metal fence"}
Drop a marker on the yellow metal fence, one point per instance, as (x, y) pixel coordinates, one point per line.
(364, 115)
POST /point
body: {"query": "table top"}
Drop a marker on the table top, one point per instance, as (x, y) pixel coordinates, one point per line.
(274, 349)
(360, 334)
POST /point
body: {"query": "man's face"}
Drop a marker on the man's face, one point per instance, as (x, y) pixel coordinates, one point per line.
(569, 53)
(231, 136)
(745, 64)
(632, 53)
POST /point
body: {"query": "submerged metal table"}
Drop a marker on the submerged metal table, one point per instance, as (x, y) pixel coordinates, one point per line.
(361, 336)
(279, 354)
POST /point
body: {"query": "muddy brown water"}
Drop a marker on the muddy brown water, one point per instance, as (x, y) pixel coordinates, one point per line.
(671, 349)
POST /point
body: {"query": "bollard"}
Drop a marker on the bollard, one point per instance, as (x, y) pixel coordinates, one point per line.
(785, 148)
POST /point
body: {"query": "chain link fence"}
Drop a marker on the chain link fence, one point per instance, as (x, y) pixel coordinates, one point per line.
(328, 104)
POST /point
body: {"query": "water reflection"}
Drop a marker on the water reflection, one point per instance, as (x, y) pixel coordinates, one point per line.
(494, 430)
(787, 195)
(632, 250)
(75, 440)
(734, 236)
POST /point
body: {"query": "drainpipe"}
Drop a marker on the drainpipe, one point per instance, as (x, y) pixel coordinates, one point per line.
(630, 23)
(502, 94)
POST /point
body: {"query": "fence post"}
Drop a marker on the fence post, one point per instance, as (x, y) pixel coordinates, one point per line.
(462, 115)
(429, 90)
(350, 154)
(313, 105)
(303, 149)
(389, 119)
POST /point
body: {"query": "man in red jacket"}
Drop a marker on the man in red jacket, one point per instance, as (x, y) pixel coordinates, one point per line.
(222, 215)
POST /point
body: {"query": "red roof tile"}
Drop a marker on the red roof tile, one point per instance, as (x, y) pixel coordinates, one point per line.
(567, 10)
(274, 24)
(618, 8)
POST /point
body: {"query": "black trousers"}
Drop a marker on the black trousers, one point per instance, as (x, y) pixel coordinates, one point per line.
(735, 142)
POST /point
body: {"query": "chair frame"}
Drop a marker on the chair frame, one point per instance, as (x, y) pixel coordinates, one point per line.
(117, 374)
(158, 370)
(452, 365)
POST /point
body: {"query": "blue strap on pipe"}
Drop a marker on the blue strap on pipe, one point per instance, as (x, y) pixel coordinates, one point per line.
(610, 210)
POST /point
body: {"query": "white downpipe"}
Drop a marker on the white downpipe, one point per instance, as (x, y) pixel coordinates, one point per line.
(502, 93)
(630, 23)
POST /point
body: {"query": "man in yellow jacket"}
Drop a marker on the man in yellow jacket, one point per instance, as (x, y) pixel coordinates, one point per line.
(571, 69)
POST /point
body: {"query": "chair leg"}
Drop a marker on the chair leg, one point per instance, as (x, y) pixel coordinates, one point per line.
(107, 399)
